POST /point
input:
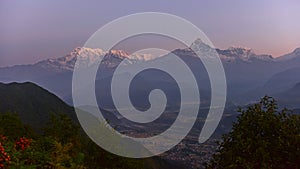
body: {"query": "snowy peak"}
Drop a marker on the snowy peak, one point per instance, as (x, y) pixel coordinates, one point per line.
(198, 46)
(113, 58)
(227, 55)
(90, 56)
(67, 62)
(199, 43)
(297, 51)
(233, 53)
(119, 53)
(241, 53)
(294, 54)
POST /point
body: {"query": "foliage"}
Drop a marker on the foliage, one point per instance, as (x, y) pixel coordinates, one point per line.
(51, 127)
(4, 157)
(51, 149)
(11, 125)
(60, 145)
(262, 137)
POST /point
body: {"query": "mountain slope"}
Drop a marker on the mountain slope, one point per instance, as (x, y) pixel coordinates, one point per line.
(290, 97)
(244, 69)
(32, 103)
(283, 80)
(289, 56)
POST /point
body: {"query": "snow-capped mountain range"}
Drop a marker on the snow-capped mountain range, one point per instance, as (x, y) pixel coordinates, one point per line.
(114, 57)
(247, 73)
(110, 59)
(244, 54)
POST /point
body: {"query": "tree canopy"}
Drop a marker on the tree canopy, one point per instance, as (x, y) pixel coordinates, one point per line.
(262, 137)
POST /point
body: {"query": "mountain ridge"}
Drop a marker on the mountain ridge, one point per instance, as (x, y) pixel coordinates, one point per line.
(31, 102)
(247, 73)
(230, 54)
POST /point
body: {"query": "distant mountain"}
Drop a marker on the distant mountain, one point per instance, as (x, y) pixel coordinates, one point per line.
(110, 58)
(56, 74)
(249, 75)
(32, 103)
(278, 77)
(293, 55)
(226, 55)
(245, 70)
(242, 54)
(290, 97)
(66, 63)
(282, 81)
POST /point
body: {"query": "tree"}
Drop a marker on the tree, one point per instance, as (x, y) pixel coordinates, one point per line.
(62, 128)
(262, 137)
(68, 146)
(12, 127)
(61, 145)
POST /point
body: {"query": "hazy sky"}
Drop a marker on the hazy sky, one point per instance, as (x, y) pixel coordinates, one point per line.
(32, 30)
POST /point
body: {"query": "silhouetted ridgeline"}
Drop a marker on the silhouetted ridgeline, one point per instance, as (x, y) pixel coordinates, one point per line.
(33, 104)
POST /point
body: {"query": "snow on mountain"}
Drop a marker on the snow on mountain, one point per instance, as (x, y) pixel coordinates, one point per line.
(67, 62)
(89, 56)
(228, 55)
(113, 58)
(240, 53)
(198, 46)
(294, 54)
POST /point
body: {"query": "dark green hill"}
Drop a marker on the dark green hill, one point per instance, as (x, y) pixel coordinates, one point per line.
(35, 105)
(32, 103)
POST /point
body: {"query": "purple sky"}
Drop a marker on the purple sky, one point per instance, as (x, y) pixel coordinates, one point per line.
(33, 30)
